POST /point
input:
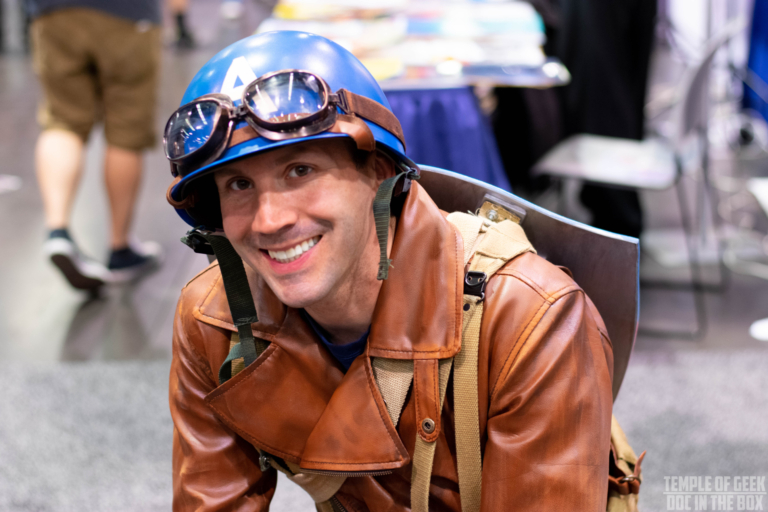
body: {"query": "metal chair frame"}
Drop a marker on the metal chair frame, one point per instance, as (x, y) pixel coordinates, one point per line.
(692, 119)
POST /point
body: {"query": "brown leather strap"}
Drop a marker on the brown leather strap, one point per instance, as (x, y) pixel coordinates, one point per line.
(357, 129)
(627, 484)
(349, 125)
(241, 135)
(187, 202)
(373, 111)
(427, 398)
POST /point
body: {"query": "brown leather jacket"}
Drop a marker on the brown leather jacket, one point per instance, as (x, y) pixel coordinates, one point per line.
(544, 384)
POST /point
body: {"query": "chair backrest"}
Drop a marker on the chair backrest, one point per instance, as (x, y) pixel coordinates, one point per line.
(604, 264)
(693, 110)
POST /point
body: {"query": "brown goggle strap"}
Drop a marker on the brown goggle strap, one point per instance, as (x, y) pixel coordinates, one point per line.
(372, 111)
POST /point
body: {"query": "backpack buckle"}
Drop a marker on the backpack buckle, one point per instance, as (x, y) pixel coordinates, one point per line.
(474, 283)
(197, 242)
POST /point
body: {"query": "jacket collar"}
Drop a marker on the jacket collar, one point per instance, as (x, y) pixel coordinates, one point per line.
(326, 418)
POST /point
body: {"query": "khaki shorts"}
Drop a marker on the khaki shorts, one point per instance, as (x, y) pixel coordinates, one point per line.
(94, 66)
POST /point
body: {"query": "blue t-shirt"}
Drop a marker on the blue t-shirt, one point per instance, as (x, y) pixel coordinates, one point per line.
(136, 10)
(344, 354)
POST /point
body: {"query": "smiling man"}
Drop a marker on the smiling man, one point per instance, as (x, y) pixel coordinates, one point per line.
(287, 213)
(337, 276)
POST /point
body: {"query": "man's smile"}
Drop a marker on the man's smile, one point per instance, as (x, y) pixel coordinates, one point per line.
(293, 252)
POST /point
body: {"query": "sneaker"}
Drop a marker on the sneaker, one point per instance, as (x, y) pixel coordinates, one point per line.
(82, 272)
(134, 261)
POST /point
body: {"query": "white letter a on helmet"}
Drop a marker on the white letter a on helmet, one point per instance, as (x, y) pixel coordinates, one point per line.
(238, 76)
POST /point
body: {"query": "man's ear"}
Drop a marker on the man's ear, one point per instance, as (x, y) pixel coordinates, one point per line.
(383, 166)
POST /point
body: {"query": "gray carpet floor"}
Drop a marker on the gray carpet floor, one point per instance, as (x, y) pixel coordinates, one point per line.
(97, 436)
(92, 436)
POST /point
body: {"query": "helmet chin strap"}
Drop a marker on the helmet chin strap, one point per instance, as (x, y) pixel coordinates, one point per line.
(239, 298)
(381, 213)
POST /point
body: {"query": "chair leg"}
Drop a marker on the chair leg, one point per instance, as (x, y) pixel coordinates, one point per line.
(696, 284)
(711, 195)
(706, 193)
(562, 200)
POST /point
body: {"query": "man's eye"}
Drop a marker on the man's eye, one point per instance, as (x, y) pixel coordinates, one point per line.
(241, 184)
(299, 171)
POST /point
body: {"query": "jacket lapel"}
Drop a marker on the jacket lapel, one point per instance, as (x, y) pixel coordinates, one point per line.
(418, 314)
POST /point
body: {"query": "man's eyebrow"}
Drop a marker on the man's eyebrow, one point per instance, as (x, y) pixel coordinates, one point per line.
(227, 171)
(297, 153)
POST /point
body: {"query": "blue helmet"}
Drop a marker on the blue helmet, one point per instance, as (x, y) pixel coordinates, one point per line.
(241, 63)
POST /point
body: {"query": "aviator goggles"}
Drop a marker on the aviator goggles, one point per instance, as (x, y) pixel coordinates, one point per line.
(278, 106)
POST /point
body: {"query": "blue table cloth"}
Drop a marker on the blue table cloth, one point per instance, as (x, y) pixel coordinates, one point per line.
(446, 128)
(758, 56)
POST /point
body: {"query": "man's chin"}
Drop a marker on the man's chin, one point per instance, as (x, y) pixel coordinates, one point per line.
(298, 295)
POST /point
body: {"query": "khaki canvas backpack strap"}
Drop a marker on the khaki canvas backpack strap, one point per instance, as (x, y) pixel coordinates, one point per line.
(489, 246)
(492, 246)
(625, 472)
(428, 375)
(393, 377)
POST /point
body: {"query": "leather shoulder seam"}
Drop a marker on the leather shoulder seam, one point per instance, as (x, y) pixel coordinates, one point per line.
(200, 360)
(199, 274)
(549, 296)
(199, 306)
(523, 338)
(204, 364)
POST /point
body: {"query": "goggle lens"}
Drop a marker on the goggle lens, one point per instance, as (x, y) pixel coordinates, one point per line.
(190, 128)
(286, 97)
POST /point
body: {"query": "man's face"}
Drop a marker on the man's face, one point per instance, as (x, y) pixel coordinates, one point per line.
(301, 216)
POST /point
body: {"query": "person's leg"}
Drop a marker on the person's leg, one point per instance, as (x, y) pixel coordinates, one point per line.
(606, 45)
(67, 113)
(184, 37)
(129, 89)
(58, 159)
(122, 176)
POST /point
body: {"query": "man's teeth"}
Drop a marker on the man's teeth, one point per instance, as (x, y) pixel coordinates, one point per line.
(295, 252)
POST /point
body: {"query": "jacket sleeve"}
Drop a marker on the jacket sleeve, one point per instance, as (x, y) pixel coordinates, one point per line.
(548, 430)
(213, 468)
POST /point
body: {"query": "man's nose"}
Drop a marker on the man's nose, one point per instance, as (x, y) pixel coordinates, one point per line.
(274, 214)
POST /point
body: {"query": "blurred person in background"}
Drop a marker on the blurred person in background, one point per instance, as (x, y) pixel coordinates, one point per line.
(606, 45)
(184, 39)
(96, 60)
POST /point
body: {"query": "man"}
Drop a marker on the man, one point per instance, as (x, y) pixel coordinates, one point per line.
(297, 176)
(96, 60)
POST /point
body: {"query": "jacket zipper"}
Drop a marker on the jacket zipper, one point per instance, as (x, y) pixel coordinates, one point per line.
(347, 473)
(264, 463)
(336, 505)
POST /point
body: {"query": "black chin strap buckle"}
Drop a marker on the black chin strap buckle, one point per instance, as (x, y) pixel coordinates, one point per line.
(196, 240)
(474, 284)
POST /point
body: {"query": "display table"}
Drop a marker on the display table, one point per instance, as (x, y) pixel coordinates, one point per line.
(446, 128)
(442, 120)
(427, 56)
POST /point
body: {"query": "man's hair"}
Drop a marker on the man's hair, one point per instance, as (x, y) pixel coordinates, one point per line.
(359, 157)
